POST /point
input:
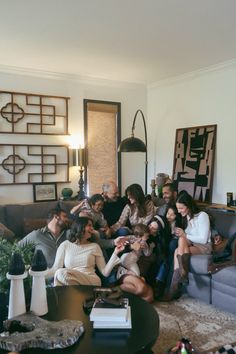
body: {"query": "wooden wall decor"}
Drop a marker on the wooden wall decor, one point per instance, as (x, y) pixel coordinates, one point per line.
(28, 113)
(194, 161)
(26, 164)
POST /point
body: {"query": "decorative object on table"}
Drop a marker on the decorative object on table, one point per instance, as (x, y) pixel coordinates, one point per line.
(111, 313)
(16, 275)
(194, 161)
(38, 271)
(66, 193)
(30, 331)
(183, 346)
(45, 192)
(133, 144)
(80, 161)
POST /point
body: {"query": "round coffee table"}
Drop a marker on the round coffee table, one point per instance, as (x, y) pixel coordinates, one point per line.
(67, 303)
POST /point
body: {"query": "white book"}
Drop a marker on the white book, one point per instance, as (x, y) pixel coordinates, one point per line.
(105, 311)
(114, 324)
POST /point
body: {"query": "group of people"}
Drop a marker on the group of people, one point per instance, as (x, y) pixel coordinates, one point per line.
(144, 249)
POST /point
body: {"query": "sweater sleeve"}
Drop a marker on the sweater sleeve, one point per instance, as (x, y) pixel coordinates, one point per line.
(198, 229)
(59, 260)
(104, 268)
(123, 218)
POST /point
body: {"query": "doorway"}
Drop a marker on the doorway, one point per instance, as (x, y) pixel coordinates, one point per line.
(102, 135)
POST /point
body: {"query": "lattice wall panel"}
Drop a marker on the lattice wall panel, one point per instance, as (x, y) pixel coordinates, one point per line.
(22, 113)
(26, 164)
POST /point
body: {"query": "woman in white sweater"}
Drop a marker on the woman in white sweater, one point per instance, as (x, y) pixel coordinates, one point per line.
(76, 260)
(194, 238)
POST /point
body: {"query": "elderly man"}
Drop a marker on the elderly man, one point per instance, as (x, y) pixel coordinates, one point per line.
(113, 203)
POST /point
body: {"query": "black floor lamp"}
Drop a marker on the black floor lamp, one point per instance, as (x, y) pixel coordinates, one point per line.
(79, 160)
(133, 144)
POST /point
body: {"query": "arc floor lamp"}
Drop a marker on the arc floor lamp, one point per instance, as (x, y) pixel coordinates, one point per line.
(133, 144)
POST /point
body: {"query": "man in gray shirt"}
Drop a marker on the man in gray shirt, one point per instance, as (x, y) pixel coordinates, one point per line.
(51, 236)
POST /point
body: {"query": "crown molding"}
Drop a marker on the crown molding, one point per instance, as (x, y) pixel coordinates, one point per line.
(193, 74)
(67, 77)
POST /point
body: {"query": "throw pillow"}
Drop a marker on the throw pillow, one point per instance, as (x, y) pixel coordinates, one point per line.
(6, 233)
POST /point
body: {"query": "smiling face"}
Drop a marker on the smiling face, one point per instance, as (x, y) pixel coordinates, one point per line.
(98, 206)
(170, 215)
(182, 209)
(131, 198)
(88, 230)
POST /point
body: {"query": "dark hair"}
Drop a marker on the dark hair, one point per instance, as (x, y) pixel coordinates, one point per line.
(163, 236)
(178, 219)
(78, 228)
(188, 201)
(53, 212)
(171, 185)
(96, 198)
(136, 192)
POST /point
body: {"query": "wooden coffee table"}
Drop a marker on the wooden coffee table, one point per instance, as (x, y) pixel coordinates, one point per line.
(67, 303)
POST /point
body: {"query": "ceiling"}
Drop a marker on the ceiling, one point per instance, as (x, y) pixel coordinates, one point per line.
(140, 41)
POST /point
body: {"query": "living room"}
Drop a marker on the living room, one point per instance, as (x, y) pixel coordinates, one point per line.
(188, 80)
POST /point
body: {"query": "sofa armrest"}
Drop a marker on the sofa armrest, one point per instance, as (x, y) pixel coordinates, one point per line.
(199, 263)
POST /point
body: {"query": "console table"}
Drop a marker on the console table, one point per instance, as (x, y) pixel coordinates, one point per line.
(67, 303)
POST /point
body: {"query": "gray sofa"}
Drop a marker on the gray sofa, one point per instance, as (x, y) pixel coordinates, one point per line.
(23, 218)
(218, 289)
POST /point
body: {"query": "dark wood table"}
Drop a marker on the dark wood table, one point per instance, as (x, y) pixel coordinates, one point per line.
(67, 303)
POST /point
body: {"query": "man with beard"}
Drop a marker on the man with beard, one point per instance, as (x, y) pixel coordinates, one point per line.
(51, 236)
(169, 192)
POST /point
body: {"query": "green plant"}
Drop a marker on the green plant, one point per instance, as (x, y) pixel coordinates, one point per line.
(6, 250)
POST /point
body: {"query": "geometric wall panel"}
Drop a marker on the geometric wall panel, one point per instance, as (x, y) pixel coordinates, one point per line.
(193, 165)
(26, 164)
(26, 113)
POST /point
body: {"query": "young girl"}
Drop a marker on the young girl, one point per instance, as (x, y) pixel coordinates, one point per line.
(92, 208)
(138, 247)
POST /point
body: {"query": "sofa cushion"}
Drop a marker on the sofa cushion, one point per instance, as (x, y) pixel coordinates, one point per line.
(14, 218)
(224, 221)
(226, 276)
(33, 224)
(199, 263)
(6, 233)
(2, 215)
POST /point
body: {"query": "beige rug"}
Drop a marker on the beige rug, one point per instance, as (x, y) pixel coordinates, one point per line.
(206, 326)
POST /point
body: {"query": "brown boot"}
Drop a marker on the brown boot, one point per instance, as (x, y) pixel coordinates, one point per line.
(184, 266)
(175, 290)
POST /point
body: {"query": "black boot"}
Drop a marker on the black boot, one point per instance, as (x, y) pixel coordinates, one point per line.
(158, 289)
(184, 266)
(175, 290)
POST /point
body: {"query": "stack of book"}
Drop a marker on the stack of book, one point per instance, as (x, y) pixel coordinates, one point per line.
(108, 313)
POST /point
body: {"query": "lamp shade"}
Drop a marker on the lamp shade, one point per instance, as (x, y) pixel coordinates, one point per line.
(79, 157)
(132, 144)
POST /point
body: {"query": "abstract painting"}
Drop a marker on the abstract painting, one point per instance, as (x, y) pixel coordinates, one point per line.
(194, 161)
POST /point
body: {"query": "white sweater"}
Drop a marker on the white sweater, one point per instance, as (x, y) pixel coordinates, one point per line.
(82, 258)
(198, 229)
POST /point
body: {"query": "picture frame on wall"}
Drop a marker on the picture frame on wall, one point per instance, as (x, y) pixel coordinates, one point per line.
(45, 191)
(193, 165)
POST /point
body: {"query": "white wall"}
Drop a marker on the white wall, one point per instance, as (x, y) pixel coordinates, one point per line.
(200, 98)
(131, 97)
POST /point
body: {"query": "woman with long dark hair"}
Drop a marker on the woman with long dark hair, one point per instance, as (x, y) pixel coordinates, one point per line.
(193, 238)
(139, 210)
(76, 259)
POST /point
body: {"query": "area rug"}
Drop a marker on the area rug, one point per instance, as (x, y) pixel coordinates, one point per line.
(207, 327)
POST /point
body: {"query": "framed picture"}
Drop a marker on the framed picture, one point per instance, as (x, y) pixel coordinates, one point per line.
(45, 191)
(193, 165)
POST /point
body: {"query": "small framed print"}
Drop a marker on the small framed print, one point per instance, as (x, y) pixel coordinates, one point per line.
(44, 192)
